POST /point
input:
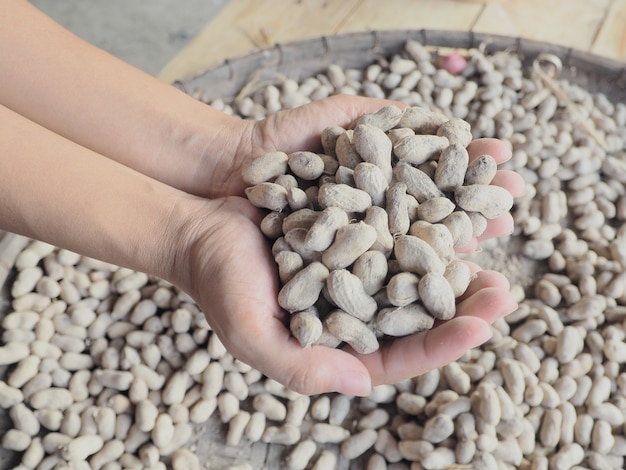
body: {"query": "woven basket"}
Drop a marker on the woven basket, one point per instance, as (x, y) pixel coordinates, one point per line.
(302, 59)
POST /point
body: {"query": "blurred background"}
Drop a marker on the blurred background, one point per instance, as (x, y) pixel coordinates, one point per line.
(146, 34)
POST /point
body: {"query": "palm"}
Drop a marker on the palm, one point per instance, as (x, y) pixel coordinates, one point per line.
(234, 278)
(235, 283)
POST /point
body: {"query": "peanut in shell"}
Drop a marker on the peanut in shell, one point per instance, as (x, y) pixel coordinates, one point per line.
(322, 232)
(352, 331)
(270, 196)
(451, 168)
(437, 296)
(404, 321)
(417, 256)
(265, 168)
(418, 183)
(343, 196)
(370, 178)
(489, 200)
(306, 326)
(402, 289)
(351, 241)
(303, 290)
(347, 292)
(371, 269)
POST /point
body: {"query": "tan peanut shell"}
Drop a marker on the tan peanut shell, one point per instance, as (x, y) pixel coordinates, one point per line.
(460, 226)
(272, 224)
(403, 321)
(435, 210)
(451, 168)
(437, 296)
(306, 326)
(289, 263)
(377, 217)
(303, 290)
(479, 223)
(265, 168)
(287, 181)
(329, 142)
(297, 199)
(491, 201)
(351, 241)
(396, 135)
(303, 218)
(371, 269)
(345, 197)
(397, 209)
(417, 256)
(421, 120)
(346, 153)
(296, 240)
(418, 149)
(306, 165)
(370, 178)
(347, 292)
(321, 233)
(402, 289)
(456, 131)
(418, 183)
(343, 175)
(384, 119)
(459, 276)
(270, 196)
(481, 170)
(330, 163)
(352, 331)
(374, 147)
(437, 236)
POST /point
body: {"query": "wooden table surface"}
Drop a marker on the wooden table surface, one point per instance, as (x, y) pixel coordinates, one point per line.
(595, 26)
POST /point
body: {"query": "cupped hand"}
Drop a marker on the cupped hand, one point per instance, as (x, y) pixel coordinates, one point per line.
(228, 269)
(288, 131)
(230, 272)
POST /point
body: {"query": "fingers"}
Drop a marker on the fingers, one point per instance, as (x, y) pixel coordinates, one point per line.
(498, 149)
(414, 355)
(501, 152)
(488, 304)
(300, 128)
(316, 369)
(484, 280)
(498, 227)
(511, 181)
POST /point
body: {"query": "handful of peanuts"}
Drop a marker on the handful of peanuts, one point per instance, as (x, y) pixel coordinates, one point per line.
(365, 233)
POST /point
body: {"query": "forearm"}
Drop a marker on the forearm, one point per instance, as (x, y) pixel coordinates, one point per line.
(78, 91)
(54, 190)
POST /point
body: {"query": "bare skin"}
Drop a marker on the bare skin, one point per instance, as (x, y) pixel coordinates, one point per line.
(102, 159)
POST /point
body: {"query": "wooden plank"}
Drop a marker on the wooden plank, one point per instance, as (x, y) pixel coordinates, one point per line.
(611, 39)
(563, 22)
(244, 25)
(412, 14)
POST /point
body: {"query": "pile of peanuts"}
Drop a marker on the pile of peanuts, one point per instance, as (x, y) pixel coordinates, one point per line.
(373, 223)
(107, 368)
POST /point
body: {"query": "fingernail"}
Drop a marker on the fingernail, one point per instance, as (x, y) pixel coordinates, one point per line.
(353, 383)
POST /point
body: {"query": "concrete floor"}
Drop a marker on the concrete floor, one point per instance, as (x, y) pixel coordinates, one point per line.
(144, 33)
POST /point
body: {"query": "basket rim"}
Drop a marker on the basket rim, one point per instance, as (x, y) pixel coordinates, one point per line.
(319, 52)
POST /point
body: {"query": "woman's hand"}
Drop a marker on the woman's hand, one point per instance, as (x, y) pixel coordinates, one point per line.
(288, 131)
(228, 268)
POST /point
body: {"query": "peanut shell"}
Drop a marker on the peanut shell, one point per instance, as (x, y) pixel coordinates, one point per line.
(403, 321)
(353, 331)
(303, 290)
(347, 292)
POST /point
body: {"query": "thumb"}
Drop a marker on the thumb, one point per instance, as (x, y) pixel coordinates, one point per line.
(318, 369)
